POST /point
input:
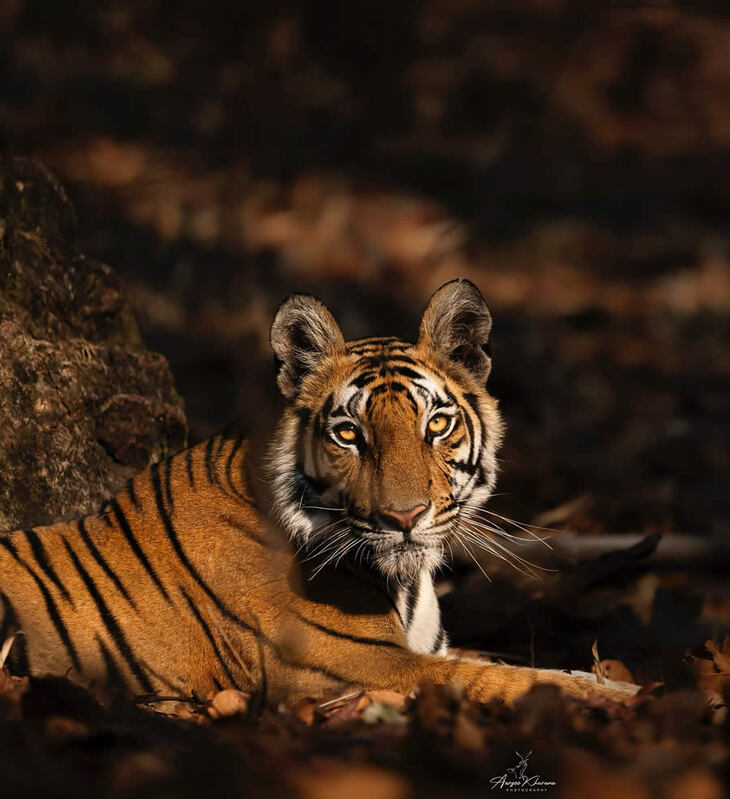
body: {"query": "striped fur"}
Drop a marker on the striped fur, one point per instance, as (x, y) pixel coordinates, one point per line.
(185, 583)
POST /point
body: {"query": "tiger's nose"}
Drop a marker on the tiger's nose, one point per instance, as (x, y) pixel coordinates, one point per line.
(403, 519)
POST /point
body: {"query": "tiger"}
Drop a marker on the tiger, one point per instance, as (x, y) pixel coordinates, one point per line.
(304, 571)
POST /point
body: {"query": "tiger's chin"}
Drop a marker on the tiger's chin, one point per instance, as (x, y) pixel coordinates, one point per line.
(405, 560)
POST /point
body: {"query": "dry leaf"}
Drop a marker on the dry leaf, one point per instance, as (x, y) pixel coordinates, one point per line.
(467, 734)
(615, 670)
(62, 728)
(392, 698)
(353, 782)
(711, 664)
(306, 711)
(228, 703)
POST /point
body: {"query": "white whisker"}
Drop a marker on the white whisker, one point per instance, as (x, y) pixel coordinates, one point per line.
(528, 564)
(469, 552)
(484, 525)
(517, 524)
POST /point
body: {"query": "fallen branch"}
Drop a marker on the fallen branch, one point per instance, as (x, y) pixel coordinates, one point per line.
(672, 548)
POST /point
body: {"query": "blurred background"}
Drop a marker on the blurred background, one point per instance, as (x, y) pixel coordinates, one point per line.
(571, 158)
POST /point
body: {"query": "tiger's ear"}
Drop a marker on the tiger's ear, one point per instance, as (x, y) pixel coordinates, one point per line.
(302, 333)
(457, 322)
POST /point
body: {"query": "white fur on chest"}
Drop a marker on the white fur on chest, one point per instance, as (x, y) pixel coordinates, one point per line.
(419, 610)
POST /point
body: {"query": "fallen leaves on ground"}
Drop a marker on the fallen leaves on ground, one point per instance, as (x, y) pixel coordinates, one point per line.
(711, 664)
(432, 742)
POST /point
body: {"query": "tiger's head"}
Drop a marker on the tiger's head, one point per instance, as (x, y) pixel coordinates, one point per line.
(382, 443)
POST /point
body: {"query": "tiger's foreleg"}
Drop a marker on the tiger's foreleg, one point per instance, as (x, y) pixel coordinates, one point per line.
(401, 670)
(485, 681)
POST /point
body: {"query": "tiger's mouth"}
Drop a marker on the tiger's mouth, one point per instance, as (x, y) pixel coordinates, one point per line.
(402, 554)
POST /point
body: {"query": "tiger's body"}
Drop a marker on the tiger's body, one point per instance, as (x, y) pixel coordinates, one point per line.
(184, 584)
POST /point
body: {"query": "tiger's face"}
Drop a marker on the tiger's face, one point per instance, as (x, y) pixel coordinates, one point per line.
(383, 442)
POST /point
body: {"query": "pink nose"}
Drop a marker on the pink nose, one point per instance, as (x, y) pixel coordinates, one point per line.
(403, 519)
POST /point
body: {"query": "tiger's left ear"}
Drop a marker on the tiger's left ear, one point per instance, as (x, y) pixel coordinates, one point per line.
(457, 322)
(302, 333)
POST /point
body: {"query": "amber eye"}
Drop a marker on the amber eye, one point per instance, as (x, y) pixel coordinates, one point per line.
(347, 433)
(438, 424)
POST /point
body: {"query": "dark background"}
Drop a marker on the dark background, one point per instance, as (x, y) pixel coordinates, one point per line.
(571, 158)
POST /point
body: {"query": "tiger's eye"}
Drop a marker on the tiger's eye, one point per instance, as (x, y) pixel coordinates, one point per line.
(437, 424)
(346, 433)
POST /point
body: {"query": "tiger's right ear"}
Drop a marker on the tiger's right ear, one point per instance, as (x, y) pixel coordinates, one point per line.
(302, 333)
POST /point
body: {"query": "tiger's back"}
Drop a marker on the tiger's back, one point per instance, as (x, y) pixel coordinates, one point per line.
(112, 598)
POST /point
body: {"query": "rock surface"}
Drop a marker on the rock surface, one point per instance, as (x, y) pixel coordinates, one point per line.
(83, 405)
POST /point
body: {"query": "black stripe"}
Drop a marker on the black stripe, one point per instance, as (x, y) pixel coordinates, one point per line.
(209, 460)
(371, 345)
(262, 540)
(381, 388)
(136, 548)
(474, 405)
(109, 621)
(414, 591)
(354, 399)
(99, 558)
(473, 402)
(346, 636)
(412, 400)
(363, 379)
(162, 679)
(189, 467)
(304, 414)
(406, 371)
(439, 640)
(132, 494)
(10, 547)
(447, 509)
(114, 677)
(295, 664)
(41, 558)
(327, 406)
(400, 358)
(51, 607)
(386, 362)
(10, 626)
(168, 484)
(462, 466)
(238, 443)
(221, 442)
(209, 635)
(217, 684)
(177, 546)
(470, 428)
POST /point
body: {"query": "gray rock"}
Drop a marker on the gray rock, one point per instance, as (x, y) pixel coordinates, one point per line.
(83, 406)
